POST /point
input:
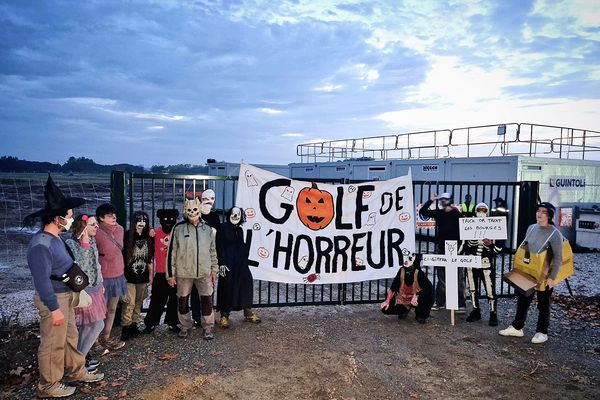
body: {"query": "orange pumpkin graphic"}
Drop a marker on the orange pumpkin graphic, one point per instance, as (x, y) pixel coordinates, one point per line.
(315, 207)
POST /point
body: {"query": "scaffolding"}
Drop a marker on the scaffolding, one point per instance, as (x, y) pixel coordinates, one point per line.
(484, 140)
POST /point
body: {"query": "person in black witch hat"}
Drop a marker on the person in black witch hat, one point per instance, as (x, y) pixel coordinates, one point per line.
(48, 258)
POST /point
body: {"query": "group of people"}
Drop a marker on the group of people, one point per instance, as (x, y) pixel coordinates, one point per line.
(180, 261)
(183, 261)
(412, 289)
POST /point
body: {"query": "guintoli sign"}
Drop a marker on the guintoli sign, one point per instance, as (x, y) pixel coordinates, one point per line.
(567, 182)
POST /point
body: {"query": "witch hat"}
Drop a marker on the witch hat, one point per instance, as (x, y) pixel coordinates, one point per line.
(56, 203)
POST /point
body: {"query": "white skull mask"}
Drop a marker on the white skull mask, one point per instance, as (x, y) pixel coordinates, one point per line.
(208, 197)
(481, 210)
(205, 209)
(191, 208)
(236, 216)
(409, 261)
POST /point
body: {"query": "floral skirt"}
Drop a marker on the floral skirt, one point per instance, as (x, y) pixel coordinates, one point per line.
(96, 311)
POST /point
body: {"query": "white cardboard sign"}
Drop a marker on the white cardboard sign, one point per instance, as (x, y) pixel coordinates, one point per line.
(451, 261)
(478, 228)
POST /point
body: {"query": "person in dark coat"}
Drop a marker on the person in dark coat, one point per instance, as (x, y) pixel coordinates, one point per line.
(410, 288)
(236, 288)
(446, 228)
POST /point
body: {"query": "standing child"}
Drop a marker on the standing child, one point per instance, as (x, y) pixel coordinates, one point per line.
(487, 250)
(89, 320)
(109, 241)
(162, 293)
(139, 253)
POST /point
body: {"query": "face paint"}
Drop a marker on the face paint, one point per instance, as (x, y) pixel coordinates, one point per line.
(482, 212)
(236, 216)
(141, 221)
(67, 226)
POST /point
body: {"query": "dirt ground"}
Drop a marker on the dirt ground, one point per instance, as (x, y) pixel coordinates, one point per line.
(340, 352)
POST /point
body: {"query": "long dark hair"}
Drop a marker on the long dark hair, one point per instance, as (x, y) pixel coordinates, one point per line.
(130, 237)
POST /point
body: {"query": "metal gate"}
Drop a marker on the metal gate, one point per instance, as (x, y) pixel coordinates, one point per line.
(150, 192)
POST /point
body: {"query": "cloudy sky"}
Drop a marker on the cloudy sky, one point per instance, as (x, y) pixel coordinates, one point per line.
(164, 82)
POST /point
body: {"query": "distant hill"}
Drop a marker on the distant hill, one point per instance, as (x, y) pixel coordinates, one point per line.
(85, 165)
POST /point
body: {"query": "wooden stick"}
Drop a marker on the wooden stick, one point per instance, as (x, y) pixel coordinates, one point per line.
(452, 317)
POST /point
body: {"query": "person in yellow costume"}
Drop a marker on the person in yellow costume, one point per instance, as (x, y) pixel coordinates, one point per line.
(540, 236)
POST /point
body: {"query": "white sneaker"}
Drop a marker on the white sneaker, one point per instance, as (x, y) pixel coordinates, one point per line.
(539, 338)
(59, 390)
(511, 331)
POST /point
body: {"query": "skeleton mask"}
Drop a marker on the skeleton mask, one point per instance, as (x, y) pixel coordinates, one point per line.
(236, 216)
(208, 197)
(409, 261)
(191, 208)
(481, 210)
(205, 209)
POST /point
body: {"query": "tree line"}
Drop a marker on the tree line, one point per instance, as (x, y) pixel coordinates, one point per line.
(85, 165)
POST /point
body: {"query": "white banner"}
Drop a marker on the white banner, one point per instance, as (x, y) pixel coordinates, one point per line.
(321, 233)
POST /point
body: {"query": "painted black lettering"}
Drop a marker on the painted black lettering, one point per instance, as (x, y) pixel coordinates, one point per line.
(262, 201)
(339, 210)
(323, 256)
(360, 207)
(285, 249)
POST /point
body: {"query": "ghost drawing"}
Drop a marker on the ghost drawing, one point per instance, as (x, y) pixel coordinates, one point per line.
(371, 219)
(303, 262)
(288, 193)
(250, 179)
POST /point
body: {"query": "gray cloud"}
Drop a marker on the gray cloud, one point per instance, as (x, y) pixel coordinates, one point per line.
(98, 78)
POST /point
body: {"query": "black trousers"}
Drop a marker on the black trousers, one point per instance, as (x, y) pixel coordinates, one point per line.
(543, 306)
(162, 294)
(440, 287)
(421, 311)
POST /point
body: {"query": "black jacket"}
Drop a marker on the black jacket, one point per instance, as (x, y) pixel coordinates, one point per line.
(446, 223)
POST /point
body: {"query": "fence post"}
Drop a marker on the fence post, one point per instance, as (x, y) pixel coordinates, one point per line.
(117, 195)
(528, 201)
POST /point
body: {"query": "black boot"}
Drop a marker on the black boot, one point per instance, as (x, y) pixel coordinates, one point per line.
(475, 315)
(135, 331)
(493, 319)
(126, 333)
(149, 329)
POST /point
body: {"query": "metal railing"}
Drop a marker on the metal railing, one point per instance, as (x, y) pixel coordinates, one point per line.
(149, 192)
(509, 139)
